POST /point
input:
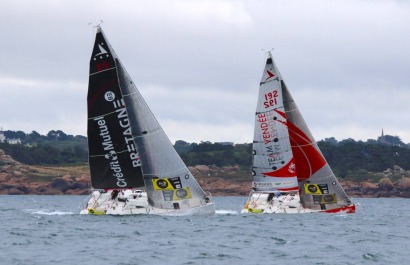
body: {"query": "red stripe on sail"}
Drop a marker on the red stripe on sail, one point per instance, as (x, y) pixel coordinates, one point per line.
(307, 158)
(99, 92)
(287, 171)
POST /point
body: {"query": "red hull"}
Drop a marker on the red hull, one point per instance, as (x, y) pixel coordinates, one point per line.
(346, 209)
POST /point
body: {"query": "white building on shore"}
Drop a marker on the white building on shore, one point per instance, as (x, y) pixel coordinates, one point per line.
(10, 141)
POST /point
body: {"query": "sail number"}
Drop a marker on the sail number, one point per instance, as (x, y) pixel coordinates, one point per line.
(102, 66)
(271, 99)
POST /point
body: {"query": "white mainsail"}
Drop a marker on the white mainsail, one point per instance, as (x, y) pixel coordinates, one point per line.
(273, 167)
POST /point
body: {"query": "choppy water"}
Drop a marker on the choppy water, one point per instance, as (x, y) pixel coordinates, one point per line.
(49, 230)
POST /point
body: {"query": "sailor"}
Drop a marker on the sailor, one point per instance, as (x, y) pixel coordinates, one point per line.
(121, 196)
(206, 198)
(114, 194)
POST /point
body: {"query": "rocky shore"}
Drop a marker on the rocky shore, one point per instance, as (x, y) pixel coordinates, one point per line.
(384, 188)
(215, 180)
(20, 179)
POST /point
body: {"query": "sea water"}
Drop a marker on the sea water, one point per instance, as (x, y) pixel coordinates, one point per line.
(49, 230)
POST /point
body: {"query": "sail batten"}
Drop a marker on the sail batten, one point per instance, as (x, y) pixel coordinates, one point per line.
(130, 94)
(102, 71)
(102, 115)
(118, 152)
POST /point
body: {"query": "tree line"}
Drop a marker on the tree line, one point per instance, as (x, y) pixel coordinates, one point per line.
(55, 148)
(344, 156)
(36, 138)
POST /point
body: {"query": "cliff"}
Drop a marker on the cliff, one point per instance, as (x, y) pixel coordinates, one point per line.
(20, 179)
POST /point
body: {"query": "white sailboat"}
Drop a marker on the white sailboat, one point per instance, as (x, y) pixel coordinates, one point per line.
(134, 167)
(289, 172)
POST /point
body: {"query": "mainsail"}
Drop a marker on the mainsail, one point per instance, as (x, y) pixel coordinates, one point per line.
(113, 156)
(286, 158)
(273, 166)
(129, 149)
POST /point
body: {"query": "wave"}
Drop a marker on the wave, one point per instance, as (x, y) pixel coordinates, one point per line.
(221, 212)
(48, 212)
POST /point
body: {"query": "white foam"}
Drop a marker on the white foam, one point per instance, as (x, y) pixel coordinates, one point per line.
(42, 212)
(226, 212)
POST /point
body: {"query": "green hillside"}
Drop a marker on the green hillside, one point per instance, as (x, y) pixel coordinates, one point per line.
(349, 159)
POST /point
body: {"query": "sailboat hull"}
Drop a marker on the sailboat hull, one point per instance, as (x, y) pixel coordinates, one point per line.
(259, 203)
(131, 202)
(206, 209)
(347, 209)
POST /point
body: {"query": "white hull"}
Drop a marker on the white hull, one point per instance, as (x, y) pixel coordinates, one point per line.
(260, 202)
(284, 203)
(129, 202)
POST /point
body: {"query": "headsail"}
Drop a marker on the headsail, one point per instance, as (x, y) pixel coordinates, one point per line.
(318, 185)
(113, 156)
(169, 183)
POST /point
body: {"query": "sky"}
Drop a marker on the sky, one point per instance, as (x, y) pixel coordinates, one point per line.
(198, 63)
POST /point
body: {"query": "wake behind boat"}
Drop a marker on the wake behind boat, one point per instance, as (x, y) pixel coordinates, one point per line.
(289, 172)
(134, 167)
